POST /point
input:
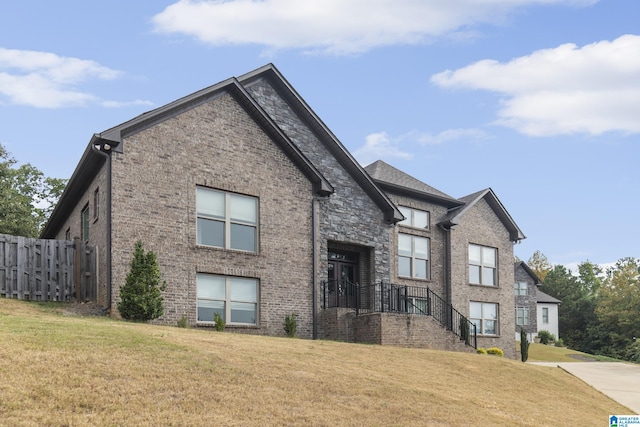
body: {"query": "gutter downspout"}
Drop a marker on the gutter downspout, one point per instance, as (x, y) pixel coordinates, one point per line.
(107, 156)
(314, 244)
(315, 232)
(447, 262)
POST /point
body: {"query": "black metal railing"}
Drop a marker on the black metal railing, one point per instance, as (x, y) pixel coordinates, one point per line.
(340, 293)
(387, 297)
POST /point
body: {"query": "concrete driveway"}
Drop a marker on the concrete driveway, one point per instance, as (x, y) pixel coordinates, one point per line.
(619, 381)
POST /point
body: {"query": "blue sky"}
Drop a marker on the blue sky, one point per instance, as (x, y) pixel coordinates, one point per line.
(537, 99)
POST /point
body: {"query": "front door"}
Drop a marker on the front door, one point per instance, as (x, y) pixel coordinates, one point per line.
(342, 277)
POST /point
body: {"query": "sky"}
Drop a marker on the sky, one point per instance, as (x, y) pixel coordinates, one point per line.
(537, 99)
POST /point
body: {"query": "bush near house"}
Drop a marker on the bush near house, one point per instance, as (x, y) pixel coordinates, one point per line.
(220, 324)
(546, 337)
(495, 351)
(290, 325)
(141, 297)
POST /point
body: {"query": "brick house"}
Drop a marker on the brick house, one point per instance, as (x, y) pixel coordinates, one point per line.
(468, 255)
(525, 290)
(256, 210)
(534, 310)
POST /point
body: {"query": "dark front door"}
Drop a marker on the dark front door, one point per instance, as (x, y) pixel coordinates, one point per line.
(342, 277)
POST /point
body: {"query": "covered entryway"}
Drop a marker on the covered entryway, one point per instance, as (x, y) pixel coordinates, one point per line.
(342, 277)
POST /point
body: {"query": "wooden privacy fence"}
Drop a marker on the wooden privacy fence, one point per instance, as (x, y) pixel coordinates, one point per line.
(47, 270)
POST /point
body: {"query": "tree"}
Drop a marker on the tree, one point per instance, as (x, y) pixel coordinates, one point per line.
(141, 297)
(590, 277)
(577, 320)
(539, 264)
(28, 197)
(618, 307)
(524, 345)
(593, 337)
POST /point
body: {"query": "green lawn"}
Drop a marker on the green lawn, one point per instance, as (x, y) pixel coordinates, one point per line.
(550, 353)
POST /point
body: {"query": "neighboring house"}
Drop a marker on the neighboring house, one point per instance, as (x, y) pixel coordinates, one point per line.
(525, 290)
(547, 309)
(256, 211)
(534, 310)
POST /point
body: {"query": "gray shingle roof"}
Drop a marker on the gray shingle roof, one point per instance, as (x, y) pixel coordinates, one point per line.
(542, 297)
(384, 173)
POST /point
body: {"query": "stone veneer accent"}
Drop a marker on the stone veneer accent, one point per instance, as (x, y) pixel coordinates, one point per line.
(528, 301)
(347, 217)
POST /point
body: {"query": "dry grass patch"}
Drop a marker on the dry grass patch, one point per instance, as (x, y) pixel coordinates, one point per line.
(58, 370)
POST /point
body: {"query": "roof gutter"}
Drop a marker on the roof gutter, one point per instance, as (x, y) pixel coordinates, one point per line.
(103, 148)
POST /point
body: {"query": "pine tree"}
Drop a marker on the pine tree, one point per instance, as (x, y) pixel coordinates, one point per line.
(141, 297)
(524, 345)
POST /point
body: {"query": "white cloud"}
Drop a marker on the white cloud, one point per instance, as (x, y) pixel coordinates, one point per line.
(46, 80)
(120, 104)
(332, 26)
(451, 135)
(380, 146)
(566, 90)
(37, 91)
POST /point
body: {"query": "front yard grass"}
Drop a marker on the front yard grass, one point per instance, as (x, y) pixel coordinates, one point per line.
(548, 353)
(62, 370)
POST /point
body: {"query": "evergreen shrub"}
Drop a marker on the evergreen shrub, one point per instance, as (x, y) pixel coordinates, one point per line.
(290, 325)
(141, 295)
(524, 346)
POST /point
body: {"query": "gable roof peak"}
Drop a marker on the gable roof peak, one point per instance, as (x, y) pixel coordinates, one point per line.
(529, 271)
(270, 74)
(515, 234)
(113, 138)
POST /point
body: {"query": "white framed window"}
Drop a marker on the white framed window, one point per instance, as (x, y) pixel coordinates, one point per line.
(227, 220)
(414, 217)
(413, 256)
(84, 223)
(485, 316)
(522, 316)
(417, 305)
(521, 288)
(235, 299)
(545, 315)
(483, 265)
